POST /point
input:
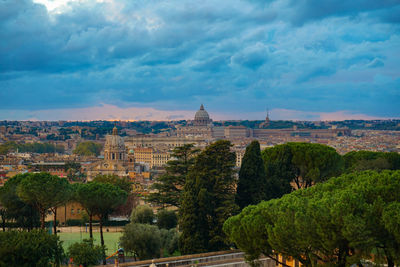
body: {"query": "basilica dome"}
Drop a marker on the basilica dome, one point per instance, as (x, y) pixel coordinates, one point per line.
(201, 118)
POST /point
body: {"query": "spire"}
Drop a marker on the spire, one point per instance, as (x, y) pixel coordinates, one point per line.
(201, 107)
(115, 131)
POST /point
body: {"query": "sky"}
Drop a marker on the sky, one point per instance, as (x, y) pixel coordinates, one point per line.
(161, 59)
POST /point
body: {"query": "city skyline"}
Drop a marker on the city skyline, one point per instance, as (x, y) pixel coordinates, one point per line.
(159, 60)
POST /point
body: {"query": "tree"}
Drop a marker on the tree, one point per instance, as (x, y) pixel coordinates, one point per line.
(369, 160)
(122, 182)
(338, 222)
(63, 193)
(25, 249)
(169, 241)
(22, 213)
(125, 184)
(166, 219)
(85, 253)
(302, 164)
(208, 199)
(142, 239)
(279, 170)
(100, 199)
(88, 148)
(252, 177)
(84, 194)
(43, 191)
(169, 186)
(143, 215)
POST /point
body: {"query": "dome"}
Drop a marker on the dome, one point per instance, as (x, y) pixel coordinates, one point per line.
(201, 114)
(114, 148)
(114, 141)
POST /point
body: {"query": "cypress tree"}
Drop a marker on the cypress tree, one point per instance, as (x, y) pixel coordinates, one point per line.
(207, 200)
(168, 187)
(252, 177)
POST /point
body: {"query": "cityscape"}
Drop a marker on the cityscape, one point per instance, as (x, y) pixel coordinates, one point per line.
(181, 133)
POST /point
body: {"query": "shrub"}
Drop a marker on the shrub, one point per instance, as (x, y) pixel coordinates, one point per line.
(142, 239)
(85, 253)
(166, 219)
(142, 214)
(34, 248)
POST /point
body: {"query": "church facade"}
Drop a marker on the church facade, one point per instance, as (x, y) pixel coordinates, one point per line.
(116, 160)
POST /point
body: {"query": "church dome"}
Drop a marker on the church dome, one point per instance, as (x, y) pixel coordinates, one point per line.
(114, 148)
(114, 141)
(201, 117)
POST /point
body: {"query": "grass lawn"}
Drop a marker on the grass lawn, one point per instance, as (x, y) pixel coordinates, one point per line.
(111, 239)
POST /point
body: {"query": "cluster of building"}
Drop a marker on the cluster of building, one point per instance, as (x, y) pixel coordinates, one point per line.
(141, 157)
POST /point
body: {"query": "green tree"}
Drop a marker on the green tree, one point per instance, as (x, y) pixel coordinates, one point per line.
(85, 253)
(43, 191)
(208, 199)
(169, 241)
(142, 239)
(166, 219)
(252, 177)
(85, 195)
(336, 223)
(303, 164)
(99, 199)
(88, 148)
(7, 147)
(122, 182)
(143, 215)
(169, 186)
(279, 171)
(369, 160)
(25, 215)
(63, 193)
(108, 198)
(125, 184)
(26, 249)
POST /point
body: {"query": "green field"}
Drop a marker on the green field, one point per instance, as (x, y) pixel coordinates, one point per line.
(110, 239)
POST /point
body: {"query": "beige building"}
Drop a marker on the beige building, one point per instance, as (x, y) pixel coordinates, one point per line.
(160, 158)
(143, 155)
(151, 156)
(164, 141)
(232, 132)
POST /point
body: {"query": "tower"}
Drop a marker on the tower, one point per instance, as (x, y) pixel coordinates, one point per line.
(265, 123)
(267, 119)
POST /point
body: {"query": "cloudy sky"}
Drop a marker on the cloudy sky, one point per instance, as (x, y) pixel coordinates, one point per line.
(160, 59)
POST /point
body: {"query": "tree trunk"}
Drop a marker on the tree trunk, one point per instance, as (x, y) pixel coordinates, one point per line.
(90, 226)
(390, 262)
(55, 220)
(343, 253)
(42, 218)
(102, 239)
(4, 224)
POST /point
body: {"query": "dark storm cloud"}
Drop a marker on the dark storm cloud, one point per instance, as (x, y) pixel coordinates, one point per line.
(320, 55)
